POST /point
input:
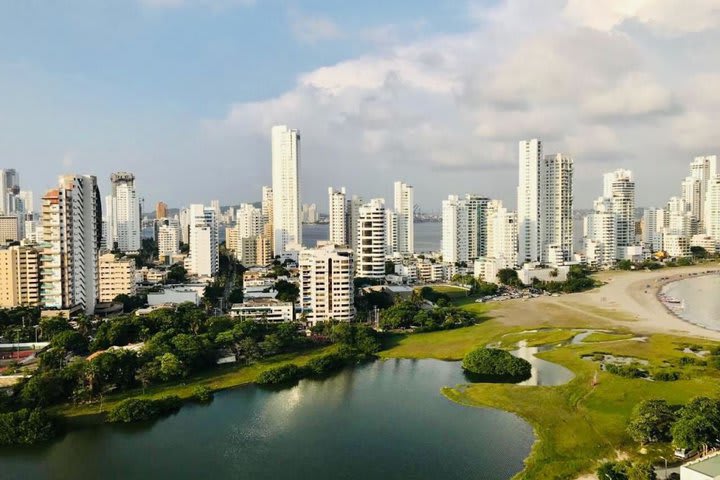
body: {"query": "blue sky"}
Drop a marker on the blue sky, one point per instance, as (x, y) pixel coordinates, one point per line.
(182, 92)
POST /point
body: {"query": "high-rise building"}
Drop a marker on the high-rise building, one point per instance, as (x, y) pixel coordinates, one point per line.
(184, 219)
(712, 208)
(600, 234)
(455, 230)
(287, 227)
(619, 187)
(502, 237)
(116, 277)
(653, 226)
(19, 277)
(692, 194)
(391, 232)
(203, 259)
(161, 210)
(404, 241)
(123, 214)
(371, 239)
(477, 225)
(25, 201)
(71, 237)
(703, 168)
(310, 213)
(352, 216)
(556, 208)
(530, 153)
(9, 228)
(249, 221)
(326, 283)
(168, 238)
(9, 190)
(337, 202)
(267, 213)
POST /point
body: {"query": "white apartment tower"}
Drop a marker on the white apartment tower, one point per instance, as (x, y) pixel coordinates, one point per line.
(287, 227)
(712, 208)
(203, 259)
(337, 202)
(371, 239)
(168, 238)
(600, 234)
(326, 283)
(692, 194)
(71, 236)
(556, 207)
(703, 168)
(619, 188)
(123, 213)
(455, 230)
(352, 215)
(652, 232)
(477, 225)
(405, 211)
(502, 239)
(249, 221)
(528, 201)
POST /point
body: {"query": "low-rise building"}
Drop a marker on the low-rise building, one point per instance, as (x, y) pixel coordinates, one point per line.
(264, 310)
(19, 276)
(529, 272)
(176, 296)
(707, 468)
(676, 246)
(116, 277)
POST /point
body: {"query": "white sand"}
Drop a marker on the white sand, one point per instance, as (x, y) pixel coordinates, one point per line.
(628, 292)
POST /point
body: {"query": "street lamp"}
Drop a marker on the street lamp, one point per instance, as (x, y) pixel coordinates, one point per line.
(666, 475)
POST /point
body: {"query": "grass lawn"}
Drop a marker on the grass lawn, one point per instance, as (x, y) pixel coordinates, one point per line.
(577, 424)
(606, 337)
(220, 378)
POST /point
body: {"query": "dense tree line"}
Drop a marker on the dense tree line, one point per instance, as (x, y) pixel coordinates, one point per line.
(411, 313)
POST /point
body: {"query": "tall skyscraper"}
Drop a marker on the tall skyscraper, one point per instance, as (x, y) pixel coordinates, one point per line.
(477, 225)
(704, 168)
(337, 203)
(352, 215)
(9, 189)
(619, 188)
(502, 237)
(692, 194)
(161, 210)
(455, 230)
(371, 239)
(530, 153)
(204, 258)
(405, 212)
(123, 214)
(600, 234)
(287, 227)
(556, 208)
(249, 221)
(712, 208)
(26, 202)
(326, 283)
(652, 231)
(71, 237)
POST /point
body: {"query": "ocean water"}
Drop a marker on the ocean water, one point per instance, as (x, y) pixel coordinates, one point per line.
(700, 300)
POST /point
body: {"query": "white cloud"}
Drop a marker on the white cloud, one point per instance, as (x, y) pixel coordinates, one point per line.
(666, 16)
(312, 28)
(213, 4)
(426, 110)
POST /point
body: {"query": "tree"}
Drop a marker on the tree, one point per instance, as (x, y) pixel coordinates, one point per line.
(641, 471)
(195, 352)
(170, 367)
(508, 276)
(613, 471)
(52, 326)
(698, 424)
(698, 252)
(287, 291)
(131, 303)
(176, 274)
(651, 421)
(70, 341)
(497, 363)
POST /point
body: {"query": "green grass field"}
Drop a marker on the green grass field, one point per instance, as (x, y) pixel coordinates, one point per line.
(577, 425)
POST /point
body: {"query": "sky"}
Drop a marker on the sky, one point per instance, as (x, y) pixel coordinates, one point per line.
(436, 93)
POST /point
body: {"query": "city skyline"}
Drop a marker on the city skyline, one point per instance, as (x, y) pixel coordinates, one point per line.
(375, 95)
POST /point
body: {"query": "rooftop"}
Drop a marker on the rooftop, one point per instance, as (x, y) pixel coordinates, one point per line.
(709, 466)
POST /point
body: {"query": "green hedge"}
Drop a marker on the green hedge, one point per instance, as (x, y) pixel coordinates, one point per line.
(496, 363)
(26, 427)
(140, 409)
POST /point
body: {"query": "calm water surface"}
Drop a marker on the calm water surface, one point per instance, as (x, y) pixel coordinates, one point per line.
(701, 300)
(386, 419)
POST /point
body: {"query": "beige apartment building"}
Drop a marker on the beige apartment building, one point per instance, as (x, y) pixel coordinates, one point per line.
(19, 277)
(9, 228)
(117, 277)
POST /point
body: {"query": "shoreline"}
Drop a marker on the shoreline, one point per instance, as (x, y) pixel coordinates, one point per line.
(676, 279)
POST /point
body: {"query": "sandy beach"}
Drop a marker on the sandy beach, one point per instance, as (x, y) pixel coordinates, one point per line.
(635, 294)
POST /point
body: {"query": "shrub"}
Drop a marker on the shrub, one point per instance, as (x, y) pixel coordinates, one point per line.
(326, 364)
(140, 409)
(496, 363)
(666, 376)
(202, 393)
(628, 371)
(26, 427)
(285, 374)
